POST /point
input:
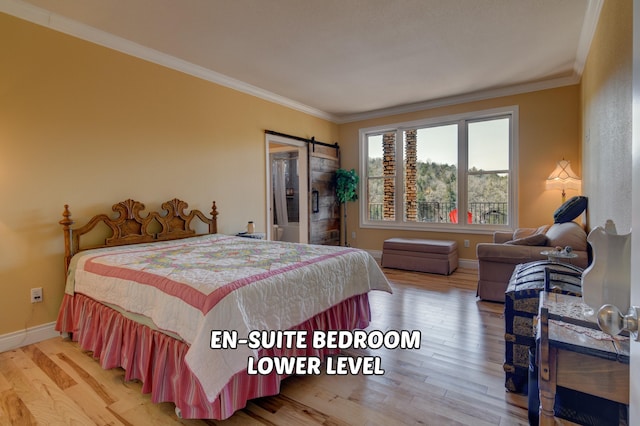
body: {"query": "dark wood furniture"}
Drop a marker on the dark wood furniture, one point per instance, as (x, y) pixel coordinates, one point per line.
(131, 227)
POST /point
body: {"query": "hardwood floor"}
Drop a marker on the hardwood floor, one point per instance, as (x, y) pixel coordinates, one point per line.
(455, 378)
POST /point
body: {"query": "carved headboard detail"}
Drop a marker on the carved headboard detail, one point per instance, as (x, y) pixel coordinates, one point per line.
(130, 227)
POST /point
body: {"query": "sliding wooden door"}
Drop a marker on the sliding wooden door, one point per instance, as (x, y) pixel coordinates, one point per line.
(324, 212)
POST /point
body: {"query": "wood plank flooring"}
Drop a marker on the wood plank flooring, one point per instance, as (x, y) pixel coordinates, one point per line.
(455, 378)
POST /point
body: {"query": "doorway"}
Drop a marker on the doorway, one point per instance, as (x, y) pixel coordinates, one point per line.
(287, 189)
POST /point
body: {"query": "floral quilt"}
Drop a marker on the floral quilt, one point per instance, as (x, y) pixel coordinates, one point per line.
(193, 286)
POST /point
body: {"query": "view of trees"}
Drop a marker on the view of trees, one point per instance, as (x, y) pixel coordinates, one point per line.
(433, 152)
(438, 182)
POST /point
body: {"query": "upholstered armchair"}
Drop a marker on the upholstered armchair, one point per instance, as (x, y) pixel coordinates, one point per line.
(497, 260)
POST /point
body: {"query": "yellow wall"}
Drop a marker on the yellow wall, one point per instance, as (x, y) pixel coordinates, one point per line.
(548, 131)
(606, 108)
(87, 126)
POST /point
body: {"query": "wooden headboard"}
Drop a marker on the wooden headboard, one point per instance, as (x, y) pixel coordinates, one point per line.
(129, 227)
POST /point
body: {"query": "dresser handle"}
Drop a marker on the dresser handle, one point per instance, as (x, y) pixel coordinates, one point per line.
(612, 322)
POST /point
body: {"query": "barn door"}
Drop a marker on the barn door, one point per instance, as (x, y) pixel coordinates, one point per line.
(324, 212)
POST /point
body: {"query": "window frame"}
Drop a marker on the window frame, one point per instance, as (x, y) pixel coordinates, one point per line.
(463, 172)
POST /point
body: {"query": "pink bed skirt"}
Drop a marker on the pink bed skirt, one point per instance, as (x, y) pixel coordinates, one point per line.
(157, 360)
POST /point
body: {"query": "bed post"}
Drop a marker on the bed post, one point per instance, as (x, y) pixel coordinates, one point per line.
(213, 226)
(66, 223)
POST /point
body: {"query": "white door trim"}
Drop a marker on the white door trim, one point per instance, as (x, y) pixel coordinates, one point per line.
(303, 182)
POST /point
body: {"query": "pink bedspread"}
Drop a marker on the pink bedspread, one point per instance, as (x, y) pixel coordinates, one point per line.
(193, 286)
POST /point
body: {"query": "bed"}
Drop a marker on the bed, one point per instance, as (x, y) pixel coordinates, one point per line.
(151, 297)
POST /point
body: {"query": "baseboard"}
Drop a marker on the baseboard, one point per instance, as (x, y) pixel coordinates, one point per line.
(26, 337)
(462, 263)
(377, 254)
(468, 263)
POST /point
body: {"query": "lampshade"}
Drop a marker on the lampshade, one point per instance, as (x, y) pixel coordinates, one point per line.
(563, 178)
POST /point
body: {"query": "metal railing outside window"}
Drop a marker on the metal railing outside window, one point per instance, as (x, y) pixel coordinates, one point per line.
(494, 213)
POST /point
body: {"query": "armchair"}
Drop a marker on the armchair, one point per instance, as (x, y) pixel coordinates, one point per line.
(497, 260)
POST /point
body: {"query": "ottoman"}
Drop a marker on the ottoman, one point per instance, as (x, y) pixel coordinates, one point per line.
(413, 254)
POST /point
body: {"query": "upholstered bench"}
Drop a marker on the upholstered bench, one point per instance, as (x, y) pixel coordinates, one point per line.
(436, 256)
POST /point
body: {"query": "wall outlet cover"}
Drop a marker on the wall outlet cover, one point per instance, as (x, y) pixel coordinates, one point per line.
(36, 295)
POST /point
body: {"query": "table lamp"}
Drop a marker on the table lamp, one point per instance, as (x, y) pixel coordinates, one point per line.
(563, 178)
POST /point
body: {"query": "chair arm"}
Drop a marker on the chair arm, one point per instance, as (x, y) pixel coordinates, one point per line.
(506, 253)
(500, 237)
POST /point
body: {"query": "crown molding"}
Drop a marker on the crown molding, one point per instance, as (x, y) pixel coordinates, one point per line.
(59, 23)
(589, 25)
(76, 29)
(591, 17)
(464, 98)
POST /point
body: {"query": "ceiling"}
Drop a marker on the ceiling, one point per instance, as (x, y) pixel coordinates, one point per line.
(343, 59)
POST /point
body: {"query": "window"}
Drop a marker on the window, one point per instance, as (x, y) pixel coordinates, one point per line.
(422, 174)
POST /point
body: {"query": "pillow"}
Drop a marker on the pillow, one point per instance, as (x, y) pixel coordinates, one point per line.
(571, 209)
(567, 234)
(532, 240)
(526, 232)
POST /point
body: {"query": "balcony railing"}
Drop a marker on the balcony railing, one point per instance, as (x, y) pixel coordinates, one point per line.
(493, 213)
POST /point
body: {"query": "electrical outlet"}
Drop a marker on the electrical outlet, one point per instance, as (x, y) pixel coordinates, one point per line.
(36, 295)
(466, 243)
(353, 235)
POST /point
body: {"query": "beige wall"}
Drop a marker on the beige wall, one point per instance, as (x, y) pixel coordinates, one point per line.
(548, 131)
(88, 126)
(606, 110)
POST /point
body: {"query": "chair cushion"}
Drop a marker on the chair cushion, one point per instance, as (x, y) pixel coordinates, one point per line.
(532, 240)
(571, 209)
(567, 234)
(527, 232)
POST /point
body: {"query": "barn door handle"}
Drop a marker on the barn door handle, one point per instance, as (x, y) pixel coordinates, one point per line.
(612, 322)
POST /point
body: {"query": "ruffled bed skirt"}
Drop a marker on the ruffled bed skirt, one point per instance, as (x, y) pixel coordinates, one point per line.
(157, 360)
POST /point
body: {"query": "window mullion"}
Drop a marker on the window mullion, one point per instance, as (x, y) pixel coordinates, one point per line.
(463, 170)
(513, 155)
